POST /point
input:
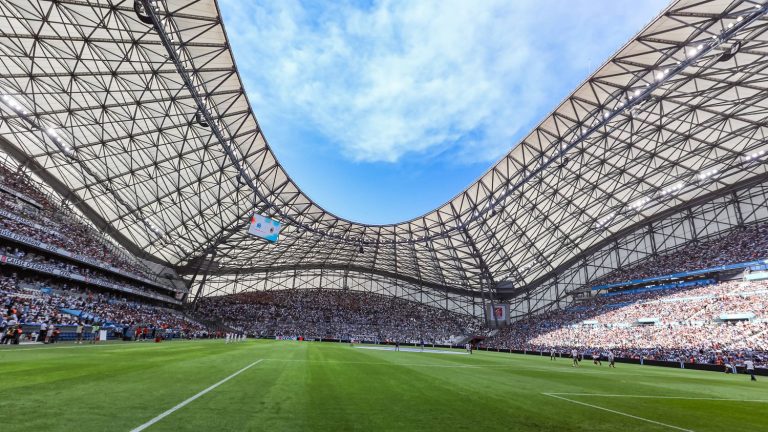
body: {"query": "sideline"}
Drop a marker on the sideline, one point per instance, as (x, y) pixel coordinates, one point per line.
(114, 344)
(67, 345)
(186, 402)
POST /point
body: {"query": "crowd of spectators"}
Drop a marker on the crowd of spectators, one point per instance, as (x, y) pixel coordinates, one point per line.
(739, 245)
(337, 314)
(30, 305)
(719, 324)
(30, 256)
(61, 227)
(683, 324)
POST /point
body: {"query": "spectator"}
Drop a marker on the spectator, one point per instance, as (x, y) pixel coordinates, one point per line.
(685, 323)
(338, 314)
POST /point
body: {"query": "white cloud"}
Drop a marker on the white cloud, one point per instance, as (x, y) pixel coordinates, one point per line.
(391, 79)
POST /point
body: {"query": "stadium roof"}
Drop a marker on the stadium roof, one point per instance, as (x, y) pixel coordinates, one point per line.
(137, 116)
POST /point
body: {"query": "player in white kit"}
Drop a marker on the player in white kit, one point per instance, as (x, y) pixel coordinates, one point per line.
(749, 365)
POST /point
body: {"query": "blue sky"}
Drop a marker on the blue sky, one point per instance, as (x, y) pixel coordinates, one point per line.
(383, 110)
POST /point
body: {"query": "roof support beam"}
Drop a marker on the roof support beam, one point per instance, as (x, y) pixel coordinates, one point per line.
(60, 188)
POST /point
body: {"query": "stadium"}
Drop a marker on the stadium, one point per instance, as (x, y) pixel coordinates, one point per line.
(161, 270)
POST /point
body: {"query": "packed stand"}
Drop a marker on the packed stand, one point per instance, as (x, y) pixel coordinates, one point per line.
(29, 255)
(675, 325)
(31, 305)
(61, 228)
(337, 314)
(740, 245)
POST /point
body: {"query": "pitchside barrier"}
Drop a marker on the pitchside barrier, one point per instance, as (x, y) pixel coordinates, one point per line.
(69, 333)
(367, 342)
(644, 362)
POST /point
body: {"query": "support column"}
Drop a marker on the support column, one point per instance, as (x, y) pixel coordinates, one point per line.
(737, 207)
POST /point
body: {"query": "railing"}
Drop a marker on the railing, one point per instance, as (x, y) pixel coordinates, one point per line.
(700, 272)
(51, 270)
(32, 242)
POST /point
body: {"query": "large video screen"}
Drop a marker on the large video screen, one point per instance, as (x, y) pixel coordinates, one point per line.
(264, 227)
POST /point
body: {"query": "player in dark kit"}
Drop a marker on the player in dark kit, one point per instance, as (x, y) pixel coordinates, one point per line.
(596, 358)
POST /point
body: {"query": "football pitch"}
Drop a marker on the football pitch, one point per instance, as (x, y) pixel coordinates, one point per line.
(296, 386)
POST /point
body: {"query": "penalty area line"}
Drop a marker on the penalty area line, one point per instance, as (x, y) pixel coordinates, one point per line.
(659, 397)
(618, 412)
(184, 403)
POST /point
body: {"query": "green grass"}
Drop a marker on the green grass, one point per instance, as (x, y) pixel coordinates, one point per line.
(323, 386)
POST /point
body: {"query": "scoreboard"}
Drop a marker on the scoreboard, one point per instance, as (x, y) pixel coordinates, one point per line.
(264, 227)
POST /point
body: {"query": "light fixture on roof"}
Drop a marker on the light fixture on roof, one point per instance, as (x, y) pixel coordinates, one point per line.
(755, 155)
(672, 189)
(11, 102)
(602, 222)
(707, 174)
(639, 204)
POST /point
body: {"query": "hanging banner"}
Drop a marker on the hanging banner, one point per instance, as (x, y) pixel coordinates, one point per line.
(264, 227)
(497, 314)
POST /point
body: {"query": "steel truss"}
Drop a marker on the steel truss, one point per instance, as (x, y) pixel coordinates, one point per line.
(339, 279)
(700, 222)
(155, 141)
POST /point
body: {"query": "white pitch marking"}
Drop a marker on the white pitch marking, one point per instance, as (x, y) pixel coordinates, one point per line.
(35, 347)
(406, 349)
(182, 404)
(114, 344)
(484, 366)
(377, 363)
(618, 412)
(659, 397)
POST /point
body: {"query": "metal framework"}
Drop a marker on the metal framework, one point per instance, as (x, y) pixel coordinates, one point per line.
(660, 235)
(134, 112)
